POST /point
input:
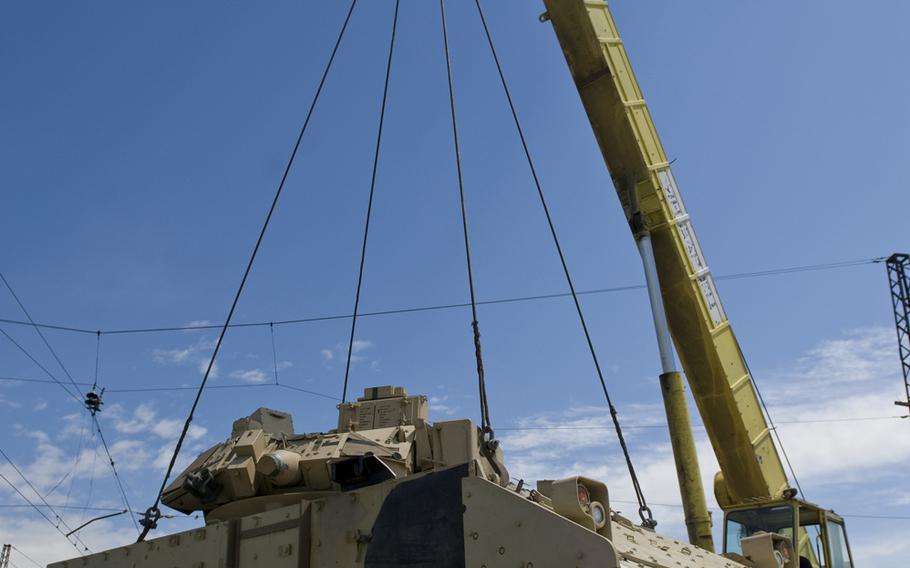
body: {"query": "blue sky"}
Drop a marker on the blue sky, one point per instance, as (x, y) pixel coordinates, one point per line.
(140, 146)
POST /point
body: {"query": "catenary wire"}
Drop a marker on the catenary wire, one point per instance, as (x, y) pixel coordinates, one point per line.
(274, 351)
(42, 367)
(53, 511)
(91, 479)
(110, 460)
(369, 214)
(162, 388)
(97, 358)
(40, 333)
(27, 557)
(485, 424)
(664, 426)
(845, 515)
(152, 512)
(643, 510)
(71, 380)
(76, 460)
(406, 310)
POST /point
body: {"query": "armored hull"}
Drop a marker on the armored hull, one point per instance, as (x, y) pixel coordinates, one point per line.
(387, 489)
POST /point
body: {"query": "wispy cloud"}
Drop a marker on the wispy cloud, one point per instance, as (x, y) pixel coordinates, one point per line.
(440, 404)
(249, 375)
(852, 376)
(340, 351)
(198, 354)
(145, 419)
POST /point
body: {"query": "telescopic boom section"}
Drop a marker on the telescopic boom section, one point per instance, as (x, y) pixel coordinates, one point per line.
(711, 358)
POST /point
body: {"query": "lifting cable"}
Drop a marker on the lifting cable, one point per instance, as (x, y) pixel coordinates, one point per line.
(153, 514)
(773, 428)
(644, 511)
(485, 424)
(366, 225)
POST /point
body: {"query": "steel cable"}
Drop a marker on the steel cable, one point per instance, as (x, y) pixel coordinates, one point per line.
(366, 225)
(152, 514)
(485, 424)
(644, 511)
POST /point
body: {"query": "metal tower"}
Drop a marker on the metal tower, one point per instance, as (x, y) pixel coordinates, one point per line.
(899, 281)
(4, 556)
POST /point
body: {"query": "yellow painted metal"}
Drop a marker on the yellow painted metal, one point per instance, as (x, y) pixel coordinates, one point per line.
(710, 355)
(698, 520)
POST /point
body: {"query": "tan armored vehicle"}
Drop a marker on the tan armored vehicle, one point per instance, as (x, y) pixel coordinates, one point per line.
(387, 488)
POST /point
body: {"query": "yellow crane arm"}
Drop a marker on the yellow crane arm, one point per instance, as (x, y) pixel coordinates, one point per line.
(711, 358)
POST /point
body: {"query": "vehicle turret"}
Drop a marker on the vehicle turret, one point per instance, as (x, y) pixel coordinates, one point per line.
(383, 435)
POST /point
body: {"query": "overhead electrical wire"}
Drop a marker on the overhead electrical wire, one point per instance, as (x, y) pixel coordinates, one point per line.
(78, 399)
(91, 479)
(76, 542)
(110, 459)
(274, 352)
(72, 382)
(40, 333)
(369, 214)
(76, 460)
(644, 511)
(434, 307)
(163, 388)
(152, 514)
(54, 379)
(34, 380)
(27, 557)
(845, 515)
(664, 426)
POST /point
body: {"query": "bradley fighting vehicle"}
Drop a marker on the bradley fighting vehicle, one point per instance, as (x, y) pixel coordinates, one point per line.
(388, 488)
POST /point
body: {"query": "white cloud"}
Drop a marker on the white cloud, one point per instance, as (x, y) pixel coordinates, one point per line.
(340, 351)
(198, 354)
(439, 404)
(361, 345)
(249, 375)
(145, 419)
(197, 323)
(9, 403)
(853, 376)
(852, 364)
(39, 406)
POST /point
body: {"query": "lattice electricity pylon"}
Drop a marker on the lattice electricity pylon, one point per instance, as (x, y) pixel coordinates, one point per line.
(4, 556)
(899, 281)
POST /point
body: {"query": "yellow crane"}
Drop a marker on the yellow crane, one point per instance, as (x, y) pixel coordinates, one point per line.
(752, 487)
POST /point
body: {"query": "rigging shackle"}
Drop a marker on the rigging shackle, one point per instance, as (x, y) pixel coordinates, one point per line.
(647, 517)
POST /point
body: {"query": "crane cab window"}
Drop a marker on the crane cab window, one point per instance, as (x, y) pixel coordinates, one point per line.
(815, 527)
(740, 524)
(840, 550)
(811, 547)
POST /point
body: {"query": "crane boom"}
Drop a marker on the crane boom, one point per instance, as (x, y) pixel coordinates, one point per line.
(713, 363)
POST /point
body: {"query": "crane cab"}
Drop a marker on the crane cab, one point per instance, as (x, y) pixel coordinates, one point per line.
(766, 531)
